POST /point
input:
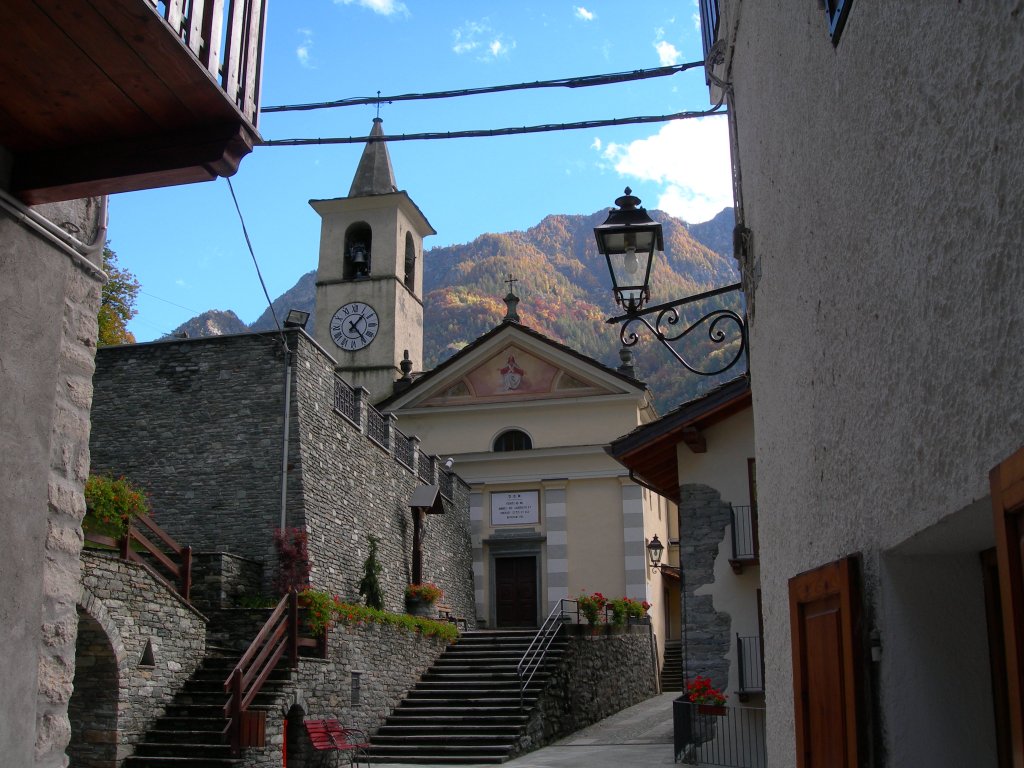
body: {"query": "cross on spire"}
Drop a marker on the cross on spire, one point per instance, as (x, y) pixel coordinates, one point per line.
(511, 283)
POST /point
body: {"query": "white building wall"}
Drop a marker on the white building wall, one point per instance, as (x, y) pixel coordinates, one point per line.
(884, 188)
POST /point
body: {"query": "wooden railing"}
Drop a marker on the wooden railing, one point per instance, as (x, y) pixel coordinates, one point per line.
(279, 636)
(174, 564)
(226, 36)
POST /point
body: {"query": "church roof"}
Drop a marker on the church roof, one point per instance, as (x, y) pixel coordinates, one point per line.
(374, 176)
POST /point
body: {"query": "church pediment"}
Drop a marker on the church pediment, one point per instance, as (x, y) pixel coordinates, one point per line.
(513, 373)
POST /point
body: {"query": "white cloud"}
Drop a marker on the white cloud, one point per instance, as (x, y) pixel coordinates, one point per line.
(688, 158)
(667, 53)
(696, 15)
(383, 7)
(583, 13)
(596, 144)
(478, 36)
(304, 51)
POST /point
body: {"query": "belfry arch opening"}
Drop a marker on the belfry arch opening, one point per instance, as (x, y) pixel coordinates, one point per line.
(410, 262)
(358, 250)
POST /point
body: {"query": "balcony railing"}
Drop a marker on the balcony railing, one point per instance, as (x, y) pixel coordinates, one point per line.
(745, 549)
(750, 660)
(227, 38)
(377, 426)
(345, 401)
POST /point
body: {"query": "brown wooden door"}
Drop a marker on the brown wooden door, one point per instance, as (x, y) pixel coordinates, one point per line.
(1007, 485)
(824, 609)
(515, 591)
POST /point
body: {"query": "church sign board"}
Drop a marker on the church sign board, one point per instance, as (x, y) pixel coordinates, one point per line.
(515, 508)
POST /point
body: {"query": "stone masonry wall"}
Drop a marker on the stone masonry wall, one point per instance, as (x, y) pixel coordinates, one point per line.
(703, 519)
(353, 488)
(199, 424)
(387, 661)
(135, 609)
(221, 580)
(600, 675)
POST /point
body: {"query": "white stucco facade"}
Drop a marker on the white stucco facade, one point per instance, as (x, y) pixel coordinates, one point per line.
(883, 187)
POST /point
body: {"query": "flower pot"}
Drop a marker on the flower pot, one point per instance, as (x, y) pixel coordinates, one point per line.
(421, 608)
(712, 709)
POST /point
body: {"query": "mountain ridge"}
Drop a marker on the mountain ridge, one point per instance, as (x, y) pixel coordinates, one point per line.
(564, 289)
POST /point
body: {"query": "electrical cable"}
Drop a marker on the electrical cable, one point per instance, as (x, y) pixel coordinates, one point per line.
(715, 110)
(586, 81)
(252, 253)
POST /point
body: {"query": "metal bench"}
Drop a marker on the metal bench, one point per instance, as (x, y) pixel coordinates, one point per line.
(444, 613)
(328, 735)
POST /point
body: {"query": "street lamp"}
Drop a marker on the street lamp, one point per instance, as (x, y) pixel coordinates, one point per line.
(628, 239)
(655, 549)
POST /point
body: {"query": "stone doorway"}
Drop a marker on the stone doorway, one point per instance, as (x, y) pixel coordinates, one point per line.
(515, 591)
(93, 707)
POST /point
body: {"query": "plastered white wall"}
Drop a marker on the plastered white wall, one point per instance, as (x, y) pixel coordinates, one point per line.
(884, 187)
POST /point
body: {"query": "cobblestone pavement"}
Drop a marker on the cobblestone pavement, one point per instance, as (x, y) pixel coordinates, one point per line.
(636, 737)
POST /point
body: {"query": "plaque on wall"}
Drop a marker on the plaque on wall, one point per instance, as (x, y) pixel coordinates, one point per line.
(515, 508)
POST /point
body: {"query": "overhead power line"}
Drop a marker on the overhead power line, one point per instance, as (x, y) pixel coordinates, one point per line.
(718, 109)
(567, 82)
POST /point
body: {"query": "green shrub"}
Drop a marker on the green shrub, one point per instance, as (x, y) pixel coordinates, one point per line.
(111, 504)
(324, 610)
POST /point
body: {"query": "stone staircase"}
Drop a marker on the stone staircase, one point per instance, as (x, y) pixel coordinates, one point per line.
(672, 669)
(192, 732)
(466, 708)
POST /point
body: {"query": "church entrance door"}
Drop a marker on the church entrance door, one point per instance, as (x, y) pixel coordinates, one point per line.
(515, 591)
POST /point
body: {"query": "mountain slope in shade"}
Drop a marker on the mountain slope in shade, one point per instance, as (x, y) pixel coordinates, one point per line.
(213, 322)
(565, 293)
(716, 234)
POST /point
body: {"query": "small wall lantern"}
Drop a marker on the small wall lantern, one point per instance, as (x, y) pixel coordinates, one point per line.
(655, 549)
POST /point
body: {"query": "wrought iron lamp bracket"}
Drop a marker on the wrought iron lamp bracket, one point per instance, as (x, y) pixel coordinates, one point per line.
(667, 318)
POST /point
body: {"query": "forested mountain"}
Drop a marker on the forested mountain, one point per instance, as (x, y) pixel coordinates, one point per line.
(565, 293)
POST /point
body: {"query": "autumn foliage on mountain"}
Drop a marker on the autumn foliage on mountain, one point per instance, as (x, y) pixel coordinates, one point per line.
(565, 292)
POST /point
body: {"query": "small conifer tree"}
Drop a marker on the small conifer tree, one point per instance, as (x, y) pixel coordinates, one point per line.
(369, 587)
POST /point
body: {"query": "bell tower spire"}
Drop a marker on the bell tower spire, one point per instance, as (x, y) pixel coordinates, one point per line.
(369, 282)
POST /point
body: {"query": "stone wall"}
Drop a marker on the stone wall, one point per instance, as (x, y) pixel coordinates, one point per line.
(222, 580)
(199, 423)
(704, 519)
(600, 674)
(326, 688)
(50, 294)
(128, 609)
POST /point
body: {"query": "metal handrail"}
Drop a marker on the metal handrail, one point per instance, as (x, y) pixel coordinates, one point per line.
(536, 652)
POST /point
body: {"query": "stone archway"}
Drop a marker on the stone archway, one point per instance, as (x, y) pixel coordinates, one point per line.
(94, 706)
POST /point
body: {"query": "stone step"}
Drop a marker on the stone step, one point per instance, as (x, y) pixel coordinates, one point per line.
(139, 761)
(182, 749)
(184, 735)
(448, 740)
(428, 759)
(447, 750)
(482, 714)
(433, 726)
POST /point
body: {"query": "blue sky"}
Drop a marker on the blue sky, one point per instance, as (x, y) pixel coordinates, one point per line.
(186, 246)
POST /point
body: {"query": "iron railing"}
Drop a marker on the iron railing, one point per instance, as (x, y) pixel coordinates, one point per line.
(730, 737)
(425, 468)
(403, 448)
(345, 401)
(744, 533)
(533, 658)
(377, 426)
(447, 482)
(750, 659)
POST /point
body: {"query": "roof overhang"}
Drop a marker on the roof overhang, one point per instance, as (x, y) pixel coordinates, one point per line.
(650, 452)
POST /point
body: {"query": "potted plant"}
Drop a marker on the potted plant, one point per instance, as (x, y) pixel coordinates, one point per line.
(709, 700)
(420, 598)
(111, 504)
(591, 606)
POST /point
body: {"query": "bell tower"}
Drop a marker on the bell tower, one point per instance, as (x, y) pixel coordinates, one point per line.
(369, 282)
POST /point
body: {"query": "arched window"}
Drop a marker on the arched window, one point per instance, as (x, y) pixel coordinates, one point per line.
(410, 262)
(358, 247)
(513, 440)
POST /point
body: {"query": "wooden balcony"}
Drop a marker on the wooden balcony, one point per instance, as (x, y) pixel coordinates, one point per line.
(103, 96)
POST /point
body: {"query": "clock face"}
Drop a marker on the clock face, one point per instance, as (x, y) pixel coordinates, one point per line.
(354, 326)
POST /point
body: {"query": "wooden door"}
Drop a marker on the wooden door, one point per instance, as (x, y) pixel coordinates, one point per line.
(1007, 486)
(515, 591)
(824, 609)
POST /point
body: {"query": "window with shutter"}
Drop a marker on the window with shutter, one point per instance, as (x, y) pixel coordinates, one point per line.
(825, 610)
